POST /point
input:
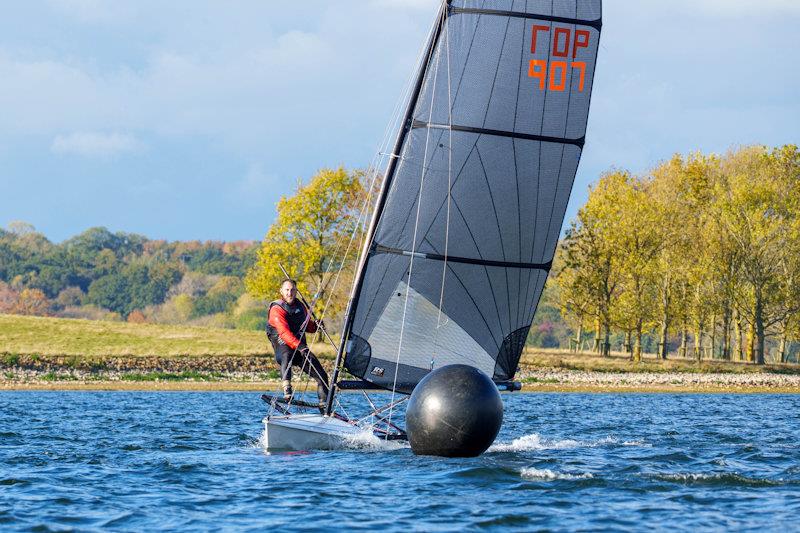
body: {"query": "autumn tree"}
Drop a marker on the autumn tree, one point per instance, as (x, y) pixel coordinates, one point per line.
(696, 185)
(758, 210)
(786, 167)
(668, 189)
(574, 298)
(136, 317)
(637, 238)
(706, 247)
(312, 238)
(589, 249)
(31, 302)
(8, 297)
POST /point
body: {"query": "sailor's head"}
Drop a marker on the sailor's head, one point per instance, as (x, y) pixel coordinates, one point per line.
(288, 290)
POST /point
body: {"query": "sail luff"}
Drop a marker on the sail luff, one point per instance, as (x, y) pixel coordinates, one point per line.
(405, 128)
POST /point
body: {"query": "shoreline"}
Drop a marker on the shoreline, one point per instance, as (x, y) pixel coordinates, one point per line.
(588, 382)
(556, 372)
(112, 386)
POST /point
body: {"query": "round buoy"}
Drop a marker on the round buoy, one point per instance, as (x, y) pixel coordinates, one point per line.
(455, 411)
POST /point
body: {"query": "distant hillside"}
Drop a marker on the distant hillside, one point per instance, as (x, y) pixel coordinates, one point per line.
(123, 276)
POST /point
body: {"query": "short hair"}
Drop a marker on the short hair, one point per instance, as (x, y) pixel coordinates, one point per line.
(289, 280)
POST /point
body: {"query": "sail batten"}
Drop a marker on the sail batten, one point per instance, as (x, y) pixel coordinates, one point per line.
(597, 23)
(500, 133)
(468, 260)
(465, 234)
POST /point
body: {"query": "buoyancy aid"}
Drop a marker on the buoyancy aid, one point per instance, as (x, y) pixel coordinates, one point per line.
(295, 314)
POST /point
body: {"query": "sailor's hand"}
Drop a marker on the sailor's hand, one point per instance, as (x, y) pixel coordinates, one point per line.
(321, 324)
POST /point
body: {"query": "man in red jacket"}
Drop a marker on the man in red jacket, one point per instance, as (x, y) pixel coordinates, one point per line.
(289, 320)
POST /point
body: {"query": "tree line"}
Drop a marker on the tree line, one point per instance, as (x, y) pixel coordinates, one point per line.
(122, 276)
(702, 252)
(699, 257)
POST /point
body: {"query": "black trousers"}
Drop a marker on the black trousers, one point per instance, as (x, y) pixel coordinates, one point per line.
(308, 364)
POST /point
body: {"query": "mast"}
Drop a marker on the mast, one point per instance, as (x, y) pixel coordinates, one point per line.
(381, 202)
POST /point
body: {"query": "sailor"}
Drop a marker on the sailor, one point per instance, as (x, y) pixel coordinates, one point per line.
(289, 320)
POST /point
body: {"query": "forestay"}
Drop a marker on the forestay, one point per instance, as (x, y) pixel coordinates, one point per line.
(468, 225)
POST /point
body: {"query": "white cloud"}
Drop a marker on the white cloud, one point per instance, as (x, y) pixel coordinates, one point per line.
(94, 144)
(282, 76)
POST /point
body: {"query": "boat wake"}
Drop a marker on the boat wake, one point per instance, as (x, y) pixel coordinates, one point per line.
(261, 442)
(367, 440)
(549, 475)
(535, 442)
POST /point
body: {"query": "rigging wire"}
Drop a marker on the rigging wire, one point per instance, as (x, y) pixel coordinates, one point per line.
(443, 22)
(439, 323)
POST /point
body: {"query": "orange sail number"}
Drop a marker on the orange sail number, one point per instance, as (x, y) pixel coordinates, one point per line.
(564, 42)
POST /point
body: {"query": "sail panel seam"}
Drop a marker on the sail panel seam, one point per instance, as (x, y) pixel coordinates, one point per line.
(579, 142)
(596, 24)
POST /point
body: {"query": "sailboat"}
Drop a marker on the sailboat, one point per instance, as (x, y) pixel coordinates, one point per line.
(465, 226)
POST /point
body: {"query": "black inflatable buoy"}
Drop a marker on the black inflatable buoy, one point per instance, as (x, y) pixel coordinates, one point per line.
(455, 411)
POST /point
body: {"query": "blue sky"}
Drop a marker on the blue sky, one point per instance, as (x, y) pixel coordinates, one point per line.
(188, 120)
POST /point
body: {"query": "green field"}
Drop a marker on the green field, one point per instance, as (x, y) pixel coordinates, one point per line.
(619, 362)
(61, 336)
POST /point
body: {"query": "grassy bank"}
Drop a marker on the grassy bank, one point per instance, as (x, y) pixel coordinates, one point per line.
(26, 335)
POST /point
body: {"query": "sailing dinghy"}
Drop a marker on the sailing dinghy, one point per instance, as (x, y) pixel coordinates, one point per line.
(465, 227)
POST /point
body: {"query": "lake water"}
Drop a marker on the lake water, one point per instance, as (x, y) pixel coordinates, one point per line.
(192, 461)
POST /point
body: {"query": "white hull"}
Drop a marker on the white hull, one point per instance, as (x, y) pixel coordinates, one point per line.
(307, 432)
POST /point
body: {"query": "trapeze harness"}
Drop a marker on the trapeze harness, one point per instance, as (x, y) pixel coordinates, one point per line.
(285, 330)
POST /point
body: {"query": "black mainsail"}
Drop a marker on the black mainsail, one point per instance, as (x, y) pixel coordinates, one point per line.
(467, 223)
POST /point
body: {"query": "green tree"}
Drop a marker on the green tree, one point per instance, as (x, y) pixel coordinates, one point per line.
(110, 292)
(135, 287)
(220, 298)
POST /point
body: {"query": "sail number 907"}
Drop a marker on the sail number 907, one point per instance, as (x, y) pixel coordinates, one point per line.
(553, 73)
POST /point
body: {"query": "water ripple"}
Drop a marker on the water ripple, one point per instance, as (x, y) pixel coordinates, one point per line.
(195, 461)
